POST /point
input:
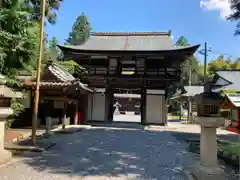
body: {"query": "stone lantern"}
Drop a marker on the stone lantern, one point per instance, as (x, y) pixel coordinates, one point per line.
(209, 118)
(4, 155)
(5, 111)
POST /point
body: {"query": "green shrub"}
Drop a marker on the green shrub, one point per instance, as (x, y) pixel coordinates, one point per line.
(17, 108)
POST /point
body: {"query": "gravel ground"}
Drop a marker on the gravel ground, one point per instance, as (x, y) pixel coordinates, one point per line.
(106, 153)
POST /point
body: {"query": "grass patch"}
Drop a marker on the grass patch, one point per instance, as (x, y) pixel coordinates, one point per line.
(233, 148)
(173, 117)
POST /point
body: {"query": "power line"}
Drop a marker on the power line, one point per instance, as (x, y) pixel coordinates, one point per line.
(221, 53)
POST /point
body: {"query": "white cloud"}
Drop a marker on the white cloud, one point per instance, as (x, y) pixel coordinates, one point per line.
(223, 6)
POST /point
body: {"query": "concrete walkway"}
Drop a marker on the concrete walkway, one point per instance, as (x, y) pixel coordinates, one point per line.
(106, 153)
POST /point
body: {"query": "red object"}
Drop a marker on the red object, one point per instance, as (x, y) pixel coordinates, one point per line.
(235, 130)
(80, 117)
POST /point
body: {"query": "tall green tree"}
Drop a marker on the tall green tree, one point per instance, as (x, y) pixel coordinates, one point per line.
(80, 31)
(52, 6)
(53, 49)
(236, 64)
(190, 64)
(182, 41)
(235, 16)
(220, 63)
(18, 37)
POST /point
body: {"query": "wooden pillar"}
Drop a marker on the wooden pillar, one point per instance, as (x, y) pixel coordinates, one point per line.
(143, 97)
(108, 104)
(76, 113)
(31, 102)
(189, 110)
(143, 105)
(110, 98)
(180, 114)
(64, 116)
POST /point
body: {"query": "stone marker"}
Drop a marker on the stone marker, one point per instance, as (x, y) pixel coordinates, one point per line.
(48, 125)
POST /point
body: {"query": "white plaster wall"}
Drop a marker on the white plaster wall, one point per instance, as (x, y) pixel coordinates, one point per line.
(96, 107)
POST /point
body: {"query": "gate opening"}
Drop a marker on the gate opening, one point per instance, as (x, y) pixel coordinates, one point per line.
(127, 107)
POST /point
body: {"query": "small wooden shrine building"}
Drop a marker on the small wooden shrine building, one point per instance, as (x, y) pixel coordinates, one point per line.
(185, 97)
(61, 95)
(227, 83)
(147, 61)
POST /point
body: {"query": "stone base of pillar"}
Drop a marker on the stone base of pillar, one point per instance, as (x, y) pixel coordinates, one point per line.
(205, 173)
(208, 168)
(5, 156)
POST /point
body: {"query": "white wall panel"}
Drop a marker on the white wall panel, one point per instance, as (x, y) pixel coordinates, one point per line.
(154, 109)
(96, 107)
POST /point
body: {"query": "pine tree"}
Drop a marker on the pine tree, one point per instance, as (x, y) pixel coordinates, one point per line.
(53, 49)
(80, 31)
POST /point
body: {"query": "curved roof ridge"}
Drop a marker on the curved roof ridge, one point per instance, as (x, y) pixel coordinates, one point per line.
(153, 33)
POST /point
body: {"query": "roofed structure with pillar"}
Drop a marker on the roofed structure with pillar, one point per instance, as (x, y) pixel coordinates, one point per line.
(147, 61)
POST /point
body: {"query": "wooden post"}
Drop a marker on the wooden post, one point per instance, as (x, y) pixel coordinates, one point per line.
(76, 114)
(36, 99)
(64, 115)
(143, 105)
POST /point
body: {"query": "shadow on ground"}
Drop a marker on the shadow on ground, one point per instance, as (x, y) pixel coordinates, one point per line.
(118, 125)
(114, 152)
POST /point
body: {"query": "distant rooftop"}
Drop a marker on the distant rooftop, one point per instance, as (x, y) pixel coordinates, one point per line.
(227, 80)
(193, 90)
(188, 91)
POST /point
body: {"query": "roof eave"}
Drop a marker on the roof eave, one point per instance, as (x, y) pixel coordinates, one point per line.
(184, 50)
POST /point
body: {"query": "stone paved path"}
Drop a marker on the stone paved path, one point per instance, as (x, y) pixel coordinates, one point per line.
(106, 153)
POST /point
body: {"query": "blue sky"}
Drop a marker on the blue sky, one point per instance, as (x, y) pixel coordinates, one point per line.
(199, 21)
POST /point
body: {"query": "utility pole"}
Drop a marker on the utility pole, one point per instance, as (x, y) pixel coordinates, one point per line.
(205, 61)
(36, 94)
(204, 52)
(189, 98)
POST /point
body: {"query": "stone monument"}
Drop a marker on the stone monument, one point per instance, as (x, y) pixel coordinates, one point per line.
(209, 118)
(4, 155)
(48, 125)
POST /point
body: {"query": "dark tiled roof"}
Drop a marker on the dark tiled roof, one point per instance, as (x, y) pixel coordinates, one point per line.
(60, 73)
(231, 76)
(130, 33)
(48, 84)
(135, 41)
(63, 79)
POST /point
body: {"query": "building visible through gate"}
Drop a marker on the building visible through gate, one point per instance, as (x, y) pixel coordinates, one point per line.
(147, 61)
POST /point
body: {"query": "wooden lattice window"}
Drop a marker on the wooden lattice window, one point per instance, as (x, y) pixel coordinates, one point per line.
(210, 109)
